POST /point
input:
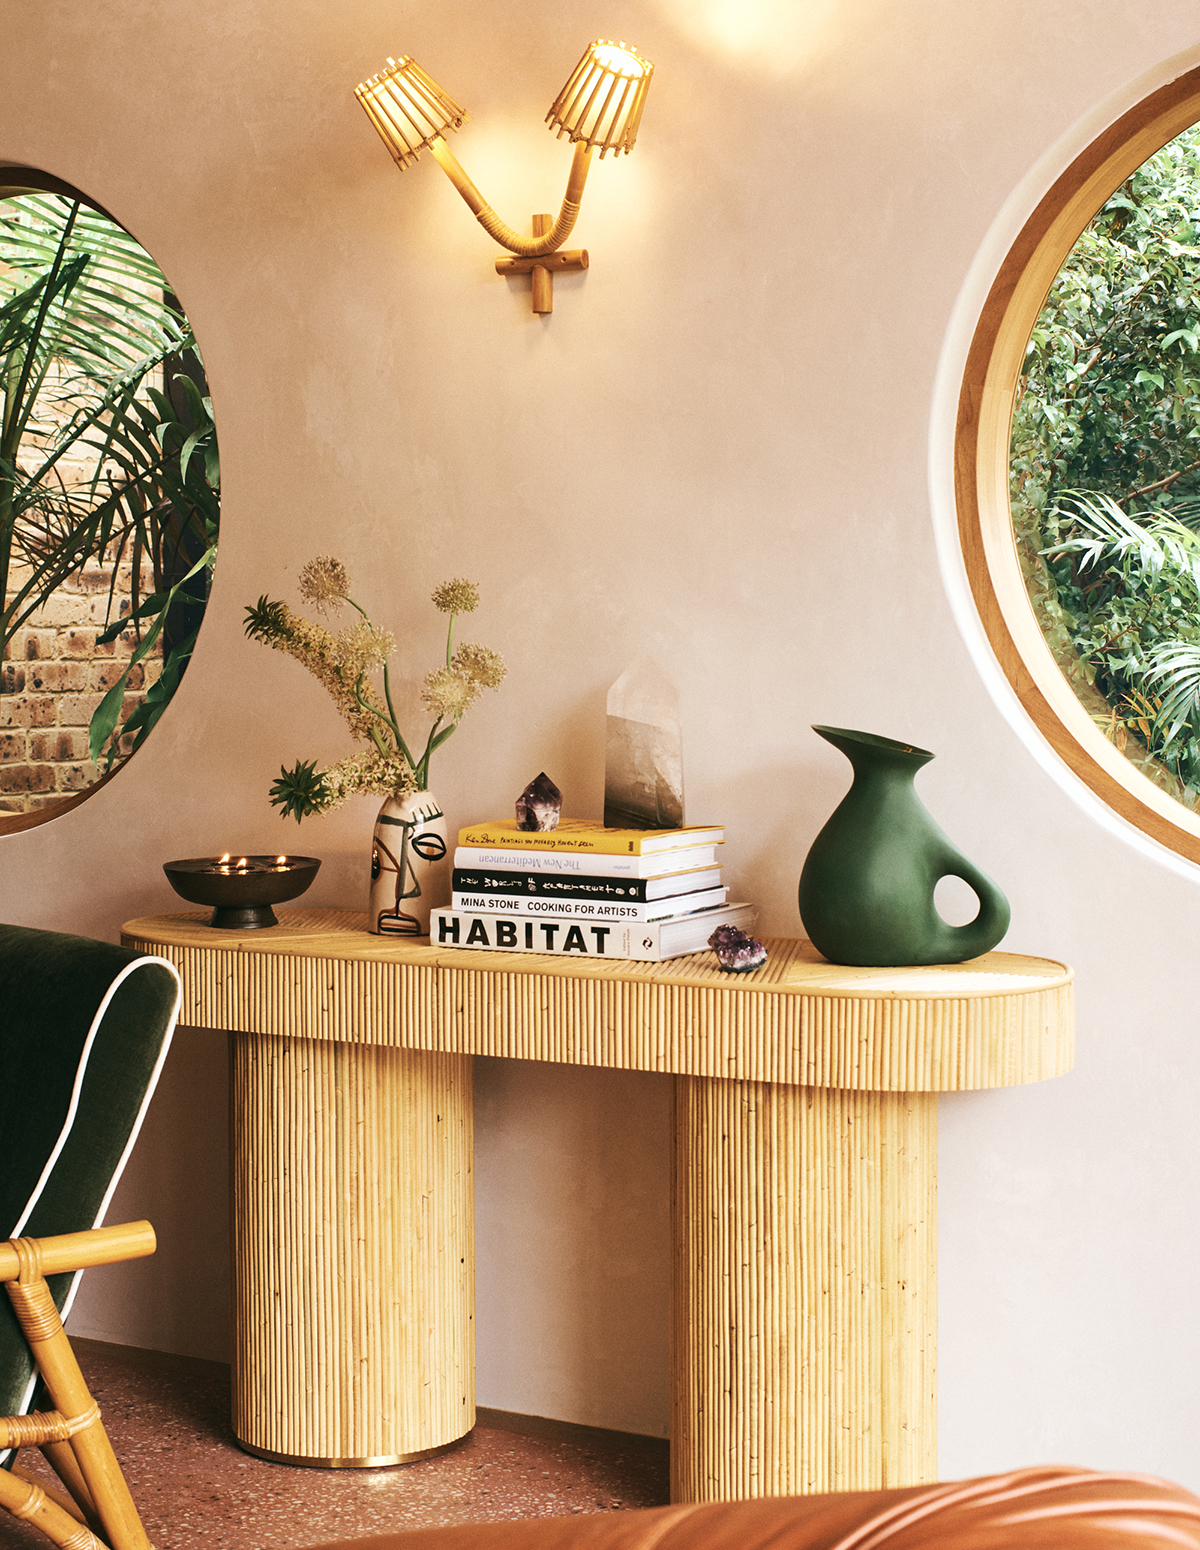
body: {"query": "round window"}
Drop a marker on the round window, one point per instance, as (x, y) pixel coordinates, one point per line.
(1077, 466)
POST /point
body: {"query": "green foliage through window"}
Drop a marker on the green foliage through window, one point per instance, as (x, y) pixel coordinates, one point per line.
(1105, 467)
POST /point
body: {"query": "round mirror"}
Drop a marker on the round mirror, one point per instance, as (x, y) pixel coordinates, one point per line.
(109, 496)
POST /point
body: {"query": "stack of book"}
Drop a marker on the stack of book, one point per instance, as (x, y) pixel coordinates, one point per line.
(587, 891)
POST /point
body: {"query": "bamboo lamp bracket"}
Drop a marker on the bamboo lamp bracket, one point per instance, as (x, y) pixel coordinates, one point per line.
(600, 107)
(543, 268)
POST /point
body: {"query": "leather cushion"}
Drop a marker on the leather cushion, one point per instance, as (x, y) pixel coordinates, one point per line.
(1050, 1508)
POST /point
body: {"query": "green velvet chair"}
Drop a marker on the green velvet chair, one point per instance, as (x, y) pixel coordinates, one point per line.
(84, 1031)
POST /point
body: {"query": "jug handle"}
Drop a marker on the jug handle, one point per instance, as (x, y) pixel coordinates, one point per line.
(981, 934)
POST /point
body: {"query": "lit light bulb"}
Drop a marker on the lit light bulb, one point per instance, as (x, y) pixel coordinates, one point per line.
(619, 60)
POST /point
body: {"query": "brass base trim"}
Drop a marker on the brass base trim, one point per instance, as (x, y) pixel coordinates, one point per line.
(378, 1461)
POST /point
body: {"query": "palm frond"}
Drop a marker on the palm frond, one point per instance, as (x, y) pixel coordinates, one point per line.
(1175, 672)
(86, 323)
(1104, 537)
(119, 314)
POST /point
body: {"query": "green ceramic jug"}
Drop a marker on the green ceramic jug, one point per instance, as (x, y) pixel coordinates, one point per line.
(866, 891)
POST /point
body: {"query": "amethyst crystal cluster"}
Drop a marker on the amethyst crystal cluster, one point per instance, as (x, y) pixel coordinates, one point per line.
(736, 952)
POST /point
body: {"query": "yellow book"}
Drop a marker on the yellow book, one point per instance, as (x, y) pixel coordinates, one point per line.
(582, 834)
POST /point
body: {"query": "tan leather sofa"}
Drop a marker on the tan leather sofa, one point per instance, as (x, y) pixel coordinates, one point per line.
(1033, 1509)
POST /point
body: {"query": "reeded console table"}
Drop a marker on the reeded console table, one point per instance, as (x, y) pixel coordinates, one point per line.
(804, 1197)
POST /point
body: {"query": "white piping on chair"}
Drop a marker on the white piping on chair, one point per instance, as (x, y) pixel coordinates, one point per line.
(73, 1109)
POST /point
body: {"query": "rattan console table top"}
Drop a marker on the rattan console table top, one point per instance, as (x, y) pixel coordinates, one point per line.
(998, 1020)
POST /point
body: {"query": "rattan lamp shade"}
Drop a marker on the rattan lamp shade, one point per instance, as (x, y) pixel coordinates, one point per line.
(408, 108)
(601, 104)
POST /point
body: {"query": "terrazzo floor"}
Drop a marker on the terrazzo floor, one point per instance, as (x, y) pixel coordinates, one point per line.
(168, 1417)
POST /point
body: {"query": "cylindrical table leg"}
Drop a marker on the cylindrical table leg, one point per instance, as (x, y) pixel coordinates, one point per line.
(353, 1251)
(805, 1290)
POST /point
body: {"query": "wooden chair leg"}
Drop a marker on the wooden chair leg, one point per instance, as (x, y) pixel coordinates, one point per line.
(59, 1498)
(78, 1411)
(65, 1465)
(27, 1500)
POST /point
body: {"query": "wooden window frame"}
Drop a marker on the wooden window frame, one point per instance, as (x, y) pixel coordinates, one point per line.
(981, 460)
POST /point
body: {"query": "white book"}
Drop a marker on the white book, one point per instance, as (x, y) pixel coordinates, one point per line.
(648, 942)
(588, 909)
(590, 863)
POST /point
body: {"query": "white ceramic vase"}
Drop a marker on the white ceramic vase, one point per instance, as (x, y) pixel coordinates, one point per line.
(410, 866)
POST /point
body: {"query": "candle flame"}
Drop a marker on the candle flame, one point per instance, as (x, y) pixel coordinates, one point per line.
(225, 857)
(279, 860)
(243, 862)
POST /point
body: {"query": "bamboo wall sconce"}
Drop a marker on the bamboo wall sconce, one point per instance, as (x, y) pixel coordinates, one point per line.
(600, 107)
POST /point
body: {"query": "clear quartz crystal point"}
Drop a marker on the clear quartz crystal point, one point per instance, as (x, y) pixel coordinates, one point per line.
(539, 805)
(643, 755)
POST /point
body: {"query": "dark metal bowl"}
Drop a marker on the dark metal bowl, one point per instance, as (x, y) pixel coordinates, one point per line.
(241, 900)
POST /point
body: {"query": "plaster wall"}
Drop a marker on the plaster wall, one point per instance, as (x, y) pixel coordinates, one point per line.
(713, 451)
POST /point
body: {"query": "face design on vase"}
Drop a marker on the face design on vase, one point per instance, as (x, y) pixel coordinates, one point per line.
(416, 852)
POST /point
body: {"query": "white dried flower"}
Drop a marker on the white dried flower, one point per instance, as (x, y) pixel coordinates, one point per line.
(325, 583)
(366, 773)
(481, 665)
(456, 597)
(448, 693)
(362, 647)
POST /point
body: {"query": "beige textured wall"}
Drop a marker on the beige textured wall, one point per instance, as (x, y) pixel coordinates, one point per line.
(714, 452)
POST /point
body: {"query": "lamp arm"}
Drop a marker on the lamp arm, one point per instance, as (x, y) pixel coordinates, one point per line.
(527, 247)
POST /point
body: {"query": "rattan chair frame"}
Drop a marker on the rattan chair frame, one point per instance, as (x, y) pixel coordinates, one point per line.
(95, 1510)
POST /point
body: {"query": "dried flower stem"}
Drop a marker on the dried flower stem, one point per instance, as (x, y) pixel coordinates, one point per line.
(342, 663)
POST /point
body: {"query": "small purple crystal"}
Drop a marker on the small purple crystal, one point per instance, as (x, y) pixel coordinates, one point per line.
(736, 952)
(539, 805)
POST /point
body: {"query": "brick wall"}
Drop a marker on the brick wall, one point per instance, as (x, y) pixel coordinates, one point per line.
(52, 679)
